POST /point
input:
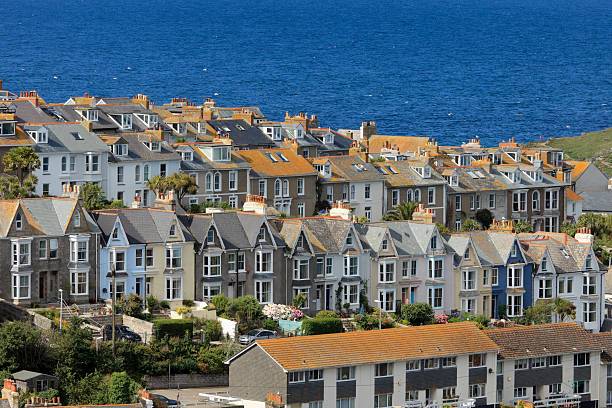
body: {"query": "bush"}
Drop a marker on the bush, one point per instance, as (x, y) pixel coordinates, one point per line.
(327, 313)
(213, 330)
(370, 321)
(418, 314)
(322, 326)
(481, 319)
(188, 303)
(270, 324)
(121, 389)
(210, 360)
(221, 303)
(248, 307)
(172, 327)
(164, 304)
(131, 305)
(153, 304)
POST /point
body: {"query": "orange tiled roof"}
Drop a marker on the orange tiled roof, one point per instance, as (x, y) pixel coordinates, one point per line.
(579, 168)
(402, 143)
(369, 347)
(571, 195)
(261, 164)
(20, 139)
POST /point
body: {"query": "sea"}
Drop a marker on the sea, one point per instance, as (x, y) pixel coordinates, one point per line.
(448, 69)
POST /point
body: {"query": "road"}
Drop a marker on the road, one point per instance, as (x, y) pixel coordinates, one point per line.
(189, 396)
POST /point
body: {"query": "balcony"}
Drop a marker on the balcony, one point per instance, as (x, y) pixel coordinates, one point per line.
(454, 403)
(561, 400)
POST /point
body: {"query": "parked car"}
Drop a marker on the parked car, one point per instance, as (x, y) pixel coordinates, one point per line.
(257, 334)
(121, 333)
(161, 401)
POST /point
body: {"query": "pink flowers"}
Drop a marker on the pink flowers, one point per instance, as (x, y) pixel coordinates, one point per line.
(277, 312)
(441, 319)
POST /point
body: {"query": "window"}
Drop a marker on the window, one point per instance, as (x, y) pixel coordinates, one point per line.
(457, 203)
(345, 373)
(386, 272)
(367, 192)
(431, 196)
(64, 164)
(515, 277)
(448, 393)
(520, 392)
(472, 202)
(394, 198)
(301, 209)
(285, 188)
(78, 251)
(589, 312)
(566, 285)
(162, 169)
(139, 256)
(233, 180)
(477, 390)
(588, 262)
(210, 291)
(589, 285)
(351, 265)
(174, 257)
(149, 257)
(449, 362)
(468, 281)
(120, 174)
(413, 365)
(554, 389)
(434, 243)
(261, 236)
(78, 283)
(263, 262)
(241, 261)
(478, 360)
(582, 387)
(42, 249)
(53, 248)
(231, 262)
(7, 128)
(519, 201)
(468, 305)
(352, 192)
(329, 266)
(263, 291)
(412, 395)
(430, 363)
(45, 165)
(608, 370)
(554, 361)
(551, 200)
(45, 189)
(137, 173)
(351, 294)
(515, 305)
(173, 288)
(330, 194)
(146, 172)
(345, 403)
(434, 297)
(21, 253)
(315, 404)
(315, 375)
(212, 265)
(21, 286)
(217, 182)
(522, 364)
(405, 269)
(18, 222)
(435, 269)
(387, 299)
(413, 267)
(545, 290)
(494, 275)
(491, 201)
(383, 400)
(538, 362)
(535, 200)
(300, 269)
(383, 370)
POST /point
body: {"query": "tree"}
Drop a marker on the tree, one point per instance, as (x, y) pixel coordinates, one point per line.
(76, 355)
(362, 219)
(418, 314)
(121, 389)
(92, 196)
(596, 222)
(22, 160)
(248, 306)
(401, 212)
(131, 305)
(159, 184)
(522, 226)
(563, 308)
(182, 184)
(539, 313)
(23, 347)
(569, 228)
(221, 302)
(470, 225)
(484, 217)
(10, 188)
(443, 229)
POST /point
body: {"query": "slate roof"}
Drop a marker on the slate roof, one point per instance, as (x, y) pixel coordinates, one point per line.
(326, 234)
(597, 201)
(251, 136)
(62, 137)
(341, 142)
(409, 237)
(467, 183)
(555, 243)
(263, 166)
(579, 168)
(343, 168)
(137, 151)
(68, 113)
(141, 225)
(26, 112)
(401, 174)
(542, 340)
(375, 346)
(25, 375)
(526, 182)
(201, 163)
(492, 247)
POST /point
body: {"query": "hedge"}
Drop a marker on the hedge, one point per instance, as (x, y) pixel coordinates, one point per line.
(322, 325)
(172, 327)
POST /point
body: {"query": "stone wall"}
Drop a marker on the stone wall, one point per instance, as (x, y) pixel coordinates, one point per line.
(145, 329)
(41, 321)
(187, 381)
(9, 311)
(106, 319)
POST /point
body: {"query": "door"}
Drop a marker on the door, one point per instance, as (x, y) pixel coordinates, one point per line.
(318, 298)
(328, 289)
(230, 290)
(405, 295)
(412, 295)
(42, 286)
(139, 287)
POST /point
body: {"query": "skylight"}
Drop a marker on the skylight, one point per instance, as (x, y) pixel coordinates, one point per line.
(282, 157)
(77, 136)
(272, 158)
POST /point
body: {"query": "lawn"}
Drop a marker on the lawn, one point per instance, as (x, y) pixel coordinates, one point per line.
(586, 146)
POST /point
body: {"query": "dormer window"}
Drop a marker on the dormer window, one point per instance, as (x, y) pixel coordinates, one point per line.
(77, 219)
(221, 153)
(349, 239)
(210, 237)
(299, 133)
(454, 181)
(543, 265)
(427, 172)
(385, 244)
(120, 149)
(434, 243)
(419, 170)
(90, 115)
(149, 120)
(262, 234)
(328, 139)
(513, 155)
(153, 146)
(115, 233)
(172, 230)
(300, 242)
(39, 136)
(514, 251)
(588, 262)
(126, 121)
(18, 222)
(276, 133)
(7, 128)
(187, 155)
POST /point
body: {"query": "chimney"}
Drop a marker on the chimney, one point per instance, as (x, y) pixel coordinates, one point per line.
(504, 225)
(9, 392)
(340, 209)
(165, 200)
(255, 203)
(35, 402)
(584, 235)
(72, 192)
(0, 83)
(537, 161)
(422, 214)
(366, 130)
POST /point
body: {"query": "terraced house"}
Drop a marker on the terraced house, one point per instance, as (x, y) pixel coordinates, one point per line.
(47, 244)
(150, 251)
(237, 254)
(410, 366)
(287, 181)
(220, 173)
(567, 267)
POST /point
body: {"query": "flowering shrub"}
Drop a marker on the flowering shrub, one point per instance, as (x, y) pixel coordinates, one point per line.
(277, 312)
(441, 319)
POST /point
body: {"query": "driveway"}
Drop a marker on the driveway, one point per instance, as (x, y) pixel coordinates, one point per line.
(189, 396)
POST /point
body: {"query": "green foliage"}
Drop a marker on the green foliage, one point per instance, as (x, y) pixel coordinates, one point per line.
(443, 229)
(172, 327)
(222, 303)
(470, 225)
(201, 208)
(122, 389)
(378, 159)
(418, 314)
(522, 226)
(564, 309)
(210, 360)
(51, 314)
(153, 304)
(362, 219)
(247, 306)
(182, 184)
(22, 160)
(76, 353)
(339, 297)
(92, 196)
(401, 212)
(484, 217)
(180, 140)
(322, 326)
(326, 314)
(91, 389)
(540, 313)
(116, 204)
(23, 347)
(158, 184)
(501, 311)
(188, 303)
(131, 305)
(213, 330)
(270, 324)
(11, 188)
(300, 301)
(367, 321)
(585, 146)
(164, 304)
(569, 228)
(482, 320)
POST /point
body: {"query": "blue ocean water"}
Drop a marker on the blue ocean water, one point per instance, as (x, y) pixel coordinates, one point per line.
(450, 69)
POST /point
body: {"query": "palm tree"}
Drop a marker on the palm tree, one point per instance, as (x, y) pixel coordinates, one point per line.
(564, 308)
(401, 212)
(159, 184)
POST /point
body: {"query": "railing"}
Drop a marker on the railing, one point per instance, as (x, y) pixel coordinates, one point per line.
(565, 401)
(455, 403)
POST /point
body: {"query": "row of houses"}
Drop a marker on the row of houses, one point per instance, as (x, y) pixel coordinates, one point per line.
(451, 365)
(161, 251)
(299, 167)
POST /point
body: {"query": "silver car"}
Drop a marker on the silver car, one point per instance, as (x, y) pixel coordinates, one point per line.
(257, 334)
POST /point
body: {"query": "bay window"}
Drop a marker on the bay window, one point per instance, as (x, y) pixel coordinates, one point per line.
(263, 262)
(387, 299)
(434, 296)
(174, 257)
(78, 251)
(263, 291)
(212, 265)
(21, 253)
(21, 286)
(351, 294)
(174, 288)
(300, 269)
(78, 283)
(210, 291)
